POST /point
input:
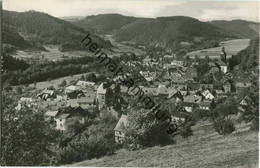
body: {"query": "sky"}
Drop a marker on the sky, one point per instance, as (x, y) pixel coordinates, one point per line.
(203, 10)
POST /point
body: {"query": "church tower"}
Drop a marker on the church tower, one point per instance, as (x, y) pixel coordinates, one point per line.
(223, 55)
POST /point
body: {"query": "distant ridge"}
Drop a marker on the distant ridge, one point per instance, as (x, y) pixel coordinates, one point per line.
(46, 29)
(105, 23)
(169, 32)
(240, 28)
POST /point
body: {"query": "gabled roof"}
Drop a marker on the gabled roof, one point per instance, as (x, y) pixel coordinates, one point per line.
(243, 84)
(85, 83)
(101, 90)
(87, 99)
(72, 88)
(221, 63)
(47, 91)
(192, 99)
(121, 123)
(51, 113)
(162, 89)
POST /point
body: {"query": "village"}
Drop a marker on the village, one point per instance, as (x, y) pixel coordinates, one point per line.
(175, 81)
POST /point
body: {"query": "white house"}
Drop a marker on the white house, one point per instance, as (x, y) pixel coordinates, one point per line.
(61, 122)
(71, 88)
(101, 92)
(85, 84)
(223, 66)
(177, 63)
(120, 129)
(208, 95)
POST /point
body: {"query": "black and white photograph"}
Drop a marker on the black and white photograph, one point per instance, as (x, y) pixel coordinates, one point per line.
(129, 83)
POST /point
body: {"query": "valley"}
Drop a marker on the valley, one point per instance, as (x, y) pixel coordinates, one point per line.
(64, 106)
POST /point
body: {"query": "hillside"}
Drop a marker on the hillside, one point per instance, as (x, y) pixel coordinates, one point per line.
(240, 28)
(40, 27)
(11, 36)
(232, 47)
(105, 23)
(249, 57)
(205, 149)
(170, 32)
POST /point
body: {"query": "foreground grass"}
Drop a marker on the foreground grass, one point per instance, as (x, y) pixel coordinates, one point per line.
(205, 149)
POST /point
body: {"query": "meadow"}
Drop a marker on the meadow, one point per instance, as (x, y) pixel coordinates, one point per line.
(205, 149)
(232, 47)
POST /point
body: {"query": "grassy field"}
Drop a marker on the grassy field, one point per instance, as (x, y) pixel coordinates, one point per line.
(56, 82)
(232, 47)
(205, 149)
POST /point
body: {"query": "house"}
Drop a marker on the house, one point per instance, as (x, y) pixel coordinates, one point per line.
(222, 65)
(168, 58)
(189, 106)
(84, 84)
(205, 105)
(153, 91)
(162, 90)
(244, 101)
(50, 115)
(191, 73)
(149, 76)
(192, 99)
(100, 96)
(175, 94)
(208, 95)
(87, 101)
(73, 92)
(240, 86)
(69, 115)
(120, 129)
(25, 101)
(193, 86)
(213, 70)
(179, 86)
(71, 88)
(46, 94)
(177, 63)
(227, 87)
(206, 86)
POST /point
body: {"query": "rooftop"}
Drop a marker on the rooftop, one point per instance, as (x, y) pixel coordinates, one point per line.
(121, 123)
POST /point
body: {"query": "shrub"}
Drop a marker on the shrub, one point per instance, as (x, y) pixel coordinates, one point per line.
(63, 83)
(145, 130)
(186, 131)
(224, 126)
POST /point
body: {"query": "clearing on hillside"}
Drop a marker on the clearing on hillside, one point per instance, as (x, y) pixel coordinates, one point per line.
(232, 47)
(205, 149)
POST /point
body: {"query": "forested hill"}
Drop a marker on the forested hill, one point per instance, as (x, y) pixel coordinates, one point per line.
(11, 36)
(171, 31)
(40, 27)
(105, 23)
(249, 57)
(240, 28)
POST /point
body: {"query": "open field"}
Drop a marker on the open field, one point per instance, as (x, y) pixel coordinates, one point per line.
(53, 54)
(121, 47)
(205, 149)
(56, 82)
(232, 47)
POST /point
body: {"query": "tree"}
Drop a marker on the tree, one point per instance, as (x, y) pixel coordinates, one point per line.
(221, 117)
(26, 137)
(251, 112)
(145, 130)
(94, 141)
(109, 97)
(63, 83)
